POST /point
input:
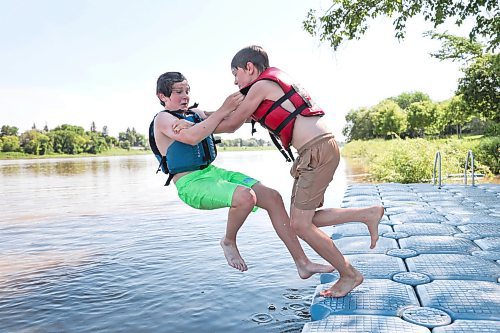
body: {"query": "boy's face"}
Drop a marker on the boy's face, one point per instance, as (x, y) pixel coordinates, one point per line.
(242, 77)
(179, 99)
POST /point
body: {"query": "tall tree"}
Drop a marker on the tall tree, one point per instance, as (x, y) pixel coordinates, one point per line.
(347, 20)
(405, 99)
(389, 119)
(421, 115)
(359, 125)
(8, 130)
(480, 85)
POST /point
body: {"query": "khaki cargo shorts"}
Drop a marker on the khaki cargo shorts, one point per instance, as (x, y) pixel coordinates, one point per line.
(313, 171)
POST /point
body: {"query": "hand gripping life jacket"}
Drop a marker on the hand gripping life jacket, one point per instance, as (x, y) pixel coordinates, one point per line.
(181, 157)
(277, 120)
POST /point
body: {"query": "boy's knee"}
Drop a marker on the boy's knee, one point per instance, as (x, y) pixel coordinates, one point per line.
(244, 197)
(274, 196)
(298, 228)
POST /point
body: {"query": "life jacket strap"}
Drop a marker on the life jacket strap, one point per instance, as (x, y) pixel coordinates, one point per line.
(292, 115)
(287, 154)
(277, 103)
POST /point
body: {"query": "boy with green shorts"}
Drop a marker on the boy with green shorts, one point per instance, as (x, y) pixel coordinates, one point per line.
(187, 156)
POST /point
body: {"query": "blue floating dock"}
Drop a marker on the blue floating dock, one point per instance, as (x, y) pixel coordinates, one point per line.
(380, 297)
(463, 299)
(459, 219)
(436, 267)
(356, 229)
(438, 244)
(361, 244)
(398, 209)
(418, 218)
(482, 229)
(426, 229)
(363, 324)
(372, 266)
(489, 243)
(470, 326)
(454, 267)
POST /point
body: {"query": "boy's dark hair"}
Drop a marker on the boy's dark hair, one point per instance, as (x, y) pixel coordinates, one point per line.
(254, 54)
(166, 81)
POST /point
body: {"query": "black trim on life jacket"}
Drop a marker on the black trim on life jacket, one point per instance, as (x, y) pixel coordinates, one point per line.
(275, 105)
(274, 134)
(163, 162)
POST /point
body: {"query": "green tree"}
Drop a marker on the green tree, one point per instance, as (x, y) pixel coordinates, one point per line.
(347, 20)
(8, 130)
(68, 139)
(480, 85)
(35, 142)
(95, 143)
(389, 119)
(125, 144)
(129, 135)
(405, 99)
(420, 116)
(111, 141)
(9, 143)
(72, 128)
(455, 113)
(359, 125)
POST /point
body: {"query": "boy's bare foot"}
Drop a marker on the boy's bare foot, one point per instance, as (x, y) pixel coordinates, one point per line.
(310, 268)
(373, 222)
(343, 285)
(232, 255)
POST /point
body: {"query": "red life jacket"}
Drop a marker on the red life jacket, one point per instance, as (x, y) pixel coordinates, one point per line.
(273, 116)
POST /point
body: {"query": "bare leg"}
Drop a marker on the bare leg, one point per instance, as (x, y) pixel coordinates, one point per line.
(242, 204)
(271, 201)
(370, 216)
(301, 222)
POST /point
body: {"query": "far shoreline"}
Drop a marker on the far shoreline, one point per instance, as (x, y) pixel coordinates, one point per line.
(10, 156)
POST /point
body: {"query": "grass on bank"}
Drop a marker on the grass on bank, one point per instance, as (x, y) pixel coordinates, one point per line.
(412, 160)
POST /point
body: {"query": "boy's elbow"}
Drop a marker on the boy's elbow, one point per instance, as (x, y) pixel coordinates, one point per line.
(189, 140)
(230, 128)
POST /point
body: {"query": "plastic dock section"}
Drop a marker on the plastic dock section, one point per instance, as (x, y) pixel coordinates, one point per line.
(436, 267)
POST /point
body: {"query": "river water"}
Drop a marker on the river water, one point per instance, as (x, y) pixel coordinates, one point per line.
(100, 245)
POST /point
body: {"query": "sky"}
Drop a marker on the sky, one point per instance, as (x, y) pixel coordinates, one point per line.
(78, 62)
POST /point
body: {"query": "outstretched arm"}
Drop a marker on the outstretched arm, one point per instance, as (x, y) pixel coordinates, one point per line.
(196, 133)
(244, 111)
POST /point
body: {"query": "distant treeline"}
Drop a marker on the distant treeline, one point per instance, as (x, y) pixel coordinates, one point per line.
(72, 140)
(252, 142)
(414, 115)
(66, 139)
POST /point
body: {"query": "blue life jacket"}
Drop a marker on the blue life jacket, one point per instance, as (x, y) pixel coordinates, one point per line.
(182, 157)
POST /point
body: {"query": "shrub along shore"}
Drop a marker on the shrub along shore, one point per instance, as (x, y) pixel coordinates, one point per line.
(412, 160)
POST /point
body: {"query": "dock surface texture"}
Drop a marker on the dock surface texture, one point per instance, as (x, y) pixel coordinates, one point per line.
(436, 267)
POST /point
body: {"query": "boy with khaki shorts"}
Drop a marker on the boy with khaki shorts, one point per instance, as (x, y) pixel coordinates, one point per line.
(294, 120)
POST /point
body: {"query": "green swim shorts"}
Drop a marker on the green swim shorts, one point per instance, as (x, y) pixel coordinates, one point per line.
(211, 188)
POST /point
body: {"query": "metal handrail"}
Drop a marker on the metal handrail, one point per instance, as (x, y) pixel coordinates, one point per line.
(471, 155)
(437, 159)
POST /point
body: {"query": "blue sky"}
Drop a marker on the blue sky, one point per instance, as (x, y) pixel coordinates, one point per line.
(81, 61)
